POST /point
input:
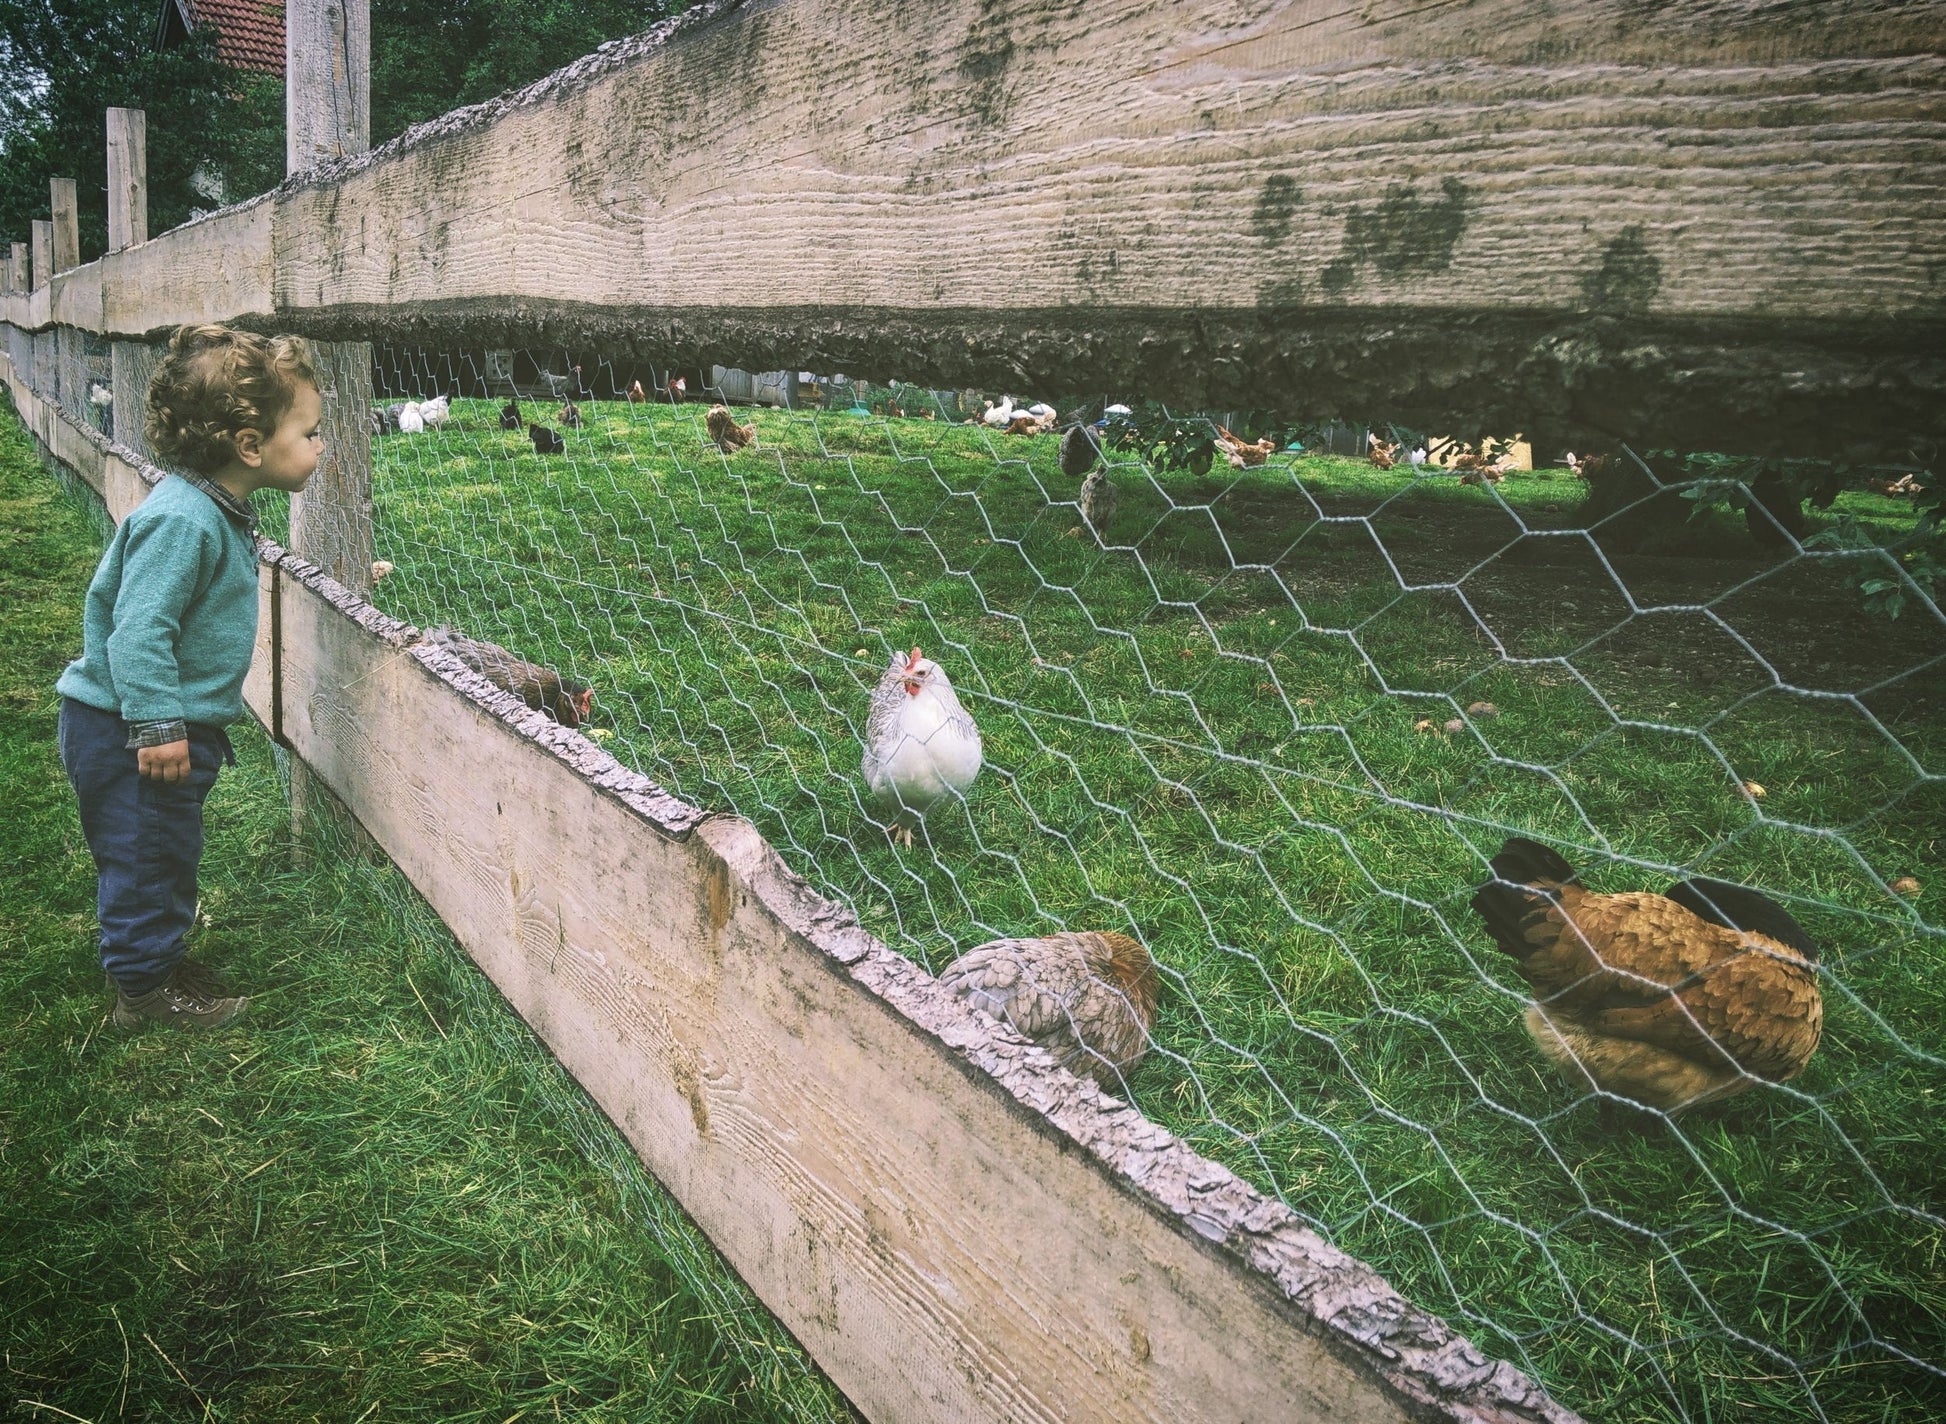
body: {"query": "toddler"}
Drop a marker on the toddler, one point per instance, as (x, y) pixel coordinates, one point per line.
(167, 634)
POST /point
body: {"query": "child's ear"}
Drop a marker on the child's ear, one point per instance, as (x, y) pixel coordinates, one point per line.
(250, 447)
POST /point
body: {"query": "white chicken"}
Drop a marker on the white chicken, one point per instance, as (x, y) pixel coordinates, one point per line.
(921, 746)
(435, 412)
(410, 421)
(999, 416)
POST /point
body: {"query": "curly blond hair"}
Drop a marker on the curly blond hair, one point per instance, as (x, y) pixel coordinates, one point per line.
(216, 382)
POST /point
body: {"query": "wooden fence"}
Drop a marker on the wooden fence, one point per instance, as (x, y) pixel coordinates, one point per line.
(955, 1227)
(1711, 224)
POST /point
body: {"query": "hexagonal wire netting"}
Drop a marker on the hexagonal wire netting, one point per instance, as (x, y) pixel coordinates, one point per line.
(1273, 720)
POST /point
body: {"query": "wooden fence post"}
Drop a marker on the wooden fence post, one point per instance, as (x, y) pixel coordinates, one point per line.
(128, 178)
(67, 224)
(19, 253)
(327, 113)
(43, 254)
(327, 81)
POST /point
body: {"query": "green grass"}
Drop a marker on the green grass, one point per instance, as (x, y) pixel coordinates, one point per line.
(1206, 736)
(381, 1199)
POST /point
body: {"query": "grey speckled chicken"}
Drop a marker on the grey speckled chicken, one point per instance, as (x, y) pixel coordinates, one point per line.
(1087, 997)
(1098, 501)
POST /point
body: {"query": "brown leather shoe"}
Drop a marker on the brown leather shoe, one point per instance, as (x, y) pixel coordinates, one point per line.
(184, 1000)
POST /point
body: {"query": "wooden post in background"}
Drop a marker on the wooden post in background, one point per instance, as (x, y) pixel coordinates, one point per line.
(67, 224)
(19, 251)
(130, 364)
(327, 115)
(327, 81)
(128, 178)
(43, 254)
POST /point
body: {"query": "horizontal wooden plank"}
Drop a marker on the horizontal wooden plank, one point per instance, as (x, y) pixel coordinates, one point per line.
(1709, 224)
(1706, 223)
(75, 298)
(217, 268)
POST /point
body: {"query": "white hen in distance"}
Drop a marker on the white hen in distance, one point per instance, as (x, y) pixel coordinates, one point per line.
(921, 746)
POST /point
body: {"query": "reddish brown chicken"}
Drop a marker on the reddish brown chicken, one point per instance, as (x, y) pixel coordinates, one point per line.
(1088, 998)
(1670, 1000)
(562, 698)
(1238, 452)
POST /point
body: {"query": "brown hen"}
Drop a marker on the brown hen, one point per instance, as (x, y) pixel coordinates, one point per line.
(724, 430)
(1088, 998)
(1238, 452)
(1668, 1000)
(563, 698)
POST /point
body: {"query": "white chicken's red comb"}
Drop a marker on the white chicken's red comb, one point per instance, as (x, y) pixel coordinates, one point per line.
(913, 661)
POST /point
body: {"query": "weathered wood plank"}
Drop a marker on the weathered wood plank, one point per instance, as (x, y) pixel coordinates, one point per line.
(66, 208)
(75, 298)
(1451, 212)
(43, 235)
(331, 521)
(327, 81)
(216, 268)
(1713, 223)
(132, 364)
(128, 178)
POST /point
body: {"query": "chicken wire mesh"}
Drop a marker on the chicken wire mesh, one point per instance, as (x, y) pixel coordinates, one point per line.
(1272, 722)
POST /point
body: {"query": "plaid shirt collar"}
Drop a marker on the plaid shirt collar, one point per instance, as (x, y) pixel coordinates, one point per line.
(240, 510)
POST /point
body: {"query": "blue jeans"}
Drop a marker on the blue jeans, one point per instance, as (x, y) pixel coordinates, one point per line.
(146, 838)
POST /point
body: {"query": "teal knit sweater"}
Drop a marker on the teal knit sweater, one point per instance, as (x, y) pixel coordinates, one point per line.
(171, 617)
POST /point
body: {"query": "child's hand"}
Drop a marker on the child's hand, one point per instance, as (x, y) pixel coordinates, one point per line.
(168, 762)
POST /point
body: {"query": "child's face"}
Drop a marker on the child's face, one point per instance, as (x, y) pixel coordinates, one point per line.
(288, 458)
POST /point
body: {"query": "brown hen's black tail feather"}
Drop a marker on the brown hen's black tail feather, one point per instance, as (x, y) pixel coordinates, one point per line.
(1738, 907)
(1523, 862)
(1505, 908)
(1505, 902)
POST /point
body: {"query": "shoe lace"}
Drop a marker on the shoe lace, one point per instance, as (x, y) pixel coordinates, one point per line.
(189, 998)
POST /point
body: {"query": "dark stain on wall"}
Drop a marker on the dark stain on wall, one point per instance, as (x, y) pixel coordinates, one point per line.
(1407, 233)
(1627, 277)
(1275, 206)
(983, 60)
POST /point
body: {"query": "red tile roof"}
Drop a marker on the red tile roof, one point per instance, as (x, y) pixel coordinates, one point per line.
(249, 33)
